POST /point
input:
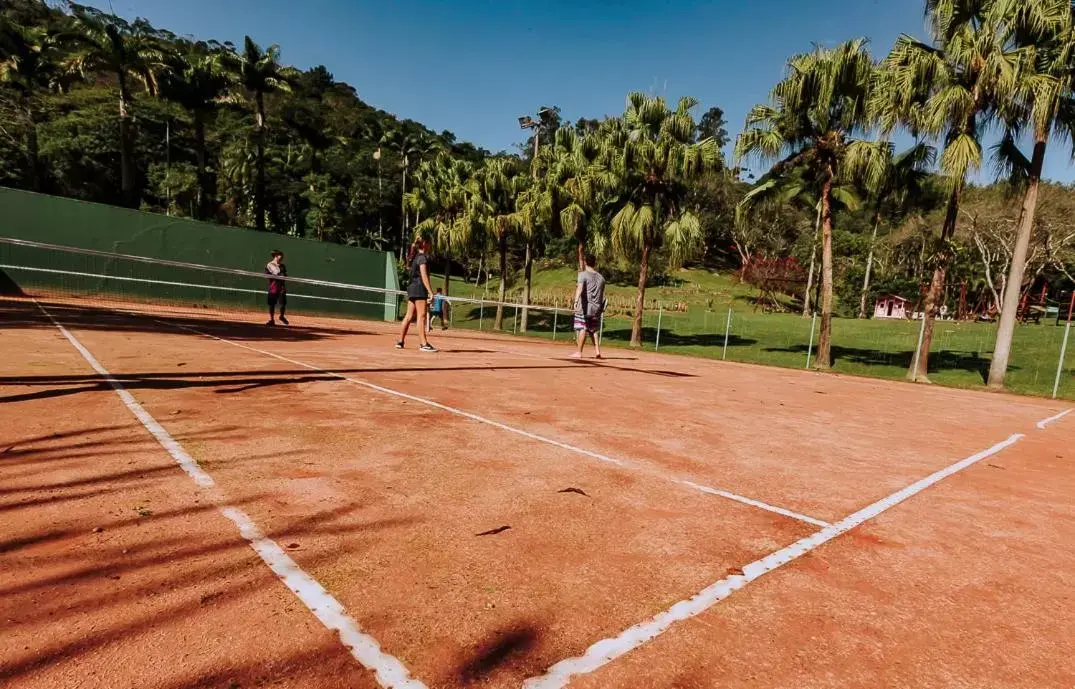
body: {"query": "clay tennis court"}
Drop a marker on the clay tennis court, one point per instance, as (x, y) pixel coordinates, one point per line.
(194, 500)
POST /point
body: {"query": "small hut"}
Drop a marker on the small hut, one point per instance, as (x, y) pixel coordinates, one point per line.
(890, 306)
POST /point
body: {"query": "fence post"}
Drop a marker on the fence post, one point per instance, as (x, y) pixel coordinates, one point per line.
(555, 314)
(660, 314)
(481, 313)
(1064, 346)
(810, 347)
(727, 329)
(918, 349)
(1060, 364)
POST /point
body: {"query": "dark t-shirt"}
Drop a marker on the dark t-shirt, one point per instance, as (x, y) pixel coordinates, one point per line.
(277, 286)
(417, 289)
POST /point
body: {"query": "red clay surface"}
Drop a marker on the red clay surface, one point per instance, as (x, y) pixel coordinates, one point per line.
(381, 499)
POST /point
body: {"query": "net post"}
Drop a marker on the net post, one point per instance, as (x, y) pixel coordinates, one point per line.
(481, 313)
(1063, 347)
(918, 349)
(660, 315)
(515, 322)
(555, 315)
(727, 329)
(810, 347)
(601, 331)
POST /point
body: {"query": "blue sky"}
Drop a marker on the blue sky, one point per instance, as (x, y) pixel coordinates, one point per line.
(474, 67)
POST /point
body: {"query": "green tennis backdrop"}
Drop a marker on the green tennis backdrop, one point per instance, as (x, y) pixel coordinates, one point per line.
(83, 225)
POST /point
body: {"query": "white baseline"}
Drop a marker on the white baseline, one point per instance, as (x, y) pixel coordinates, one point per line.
(1045, 422)
(388, 670)
(607, 650)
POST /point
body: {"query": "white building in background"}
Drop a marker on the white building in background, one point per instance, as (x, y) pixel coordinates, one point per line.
(890, 306)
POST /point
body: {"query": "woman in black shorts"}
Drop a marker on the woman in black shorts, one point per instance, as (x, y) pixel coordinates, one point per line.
(418, 295)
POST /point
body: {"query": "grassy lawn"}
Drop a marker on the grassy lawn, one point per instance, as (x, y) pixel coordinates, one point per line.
(882, 349)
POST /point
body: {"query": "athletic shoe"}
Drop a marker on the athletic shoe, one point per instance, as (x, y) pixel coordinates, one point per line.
(284, 321)
(399, 345)
(271, 323)
(428, 348)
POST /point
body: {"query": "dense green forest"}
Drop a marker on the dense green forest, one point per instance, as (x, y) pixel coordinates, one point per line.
(104, 109)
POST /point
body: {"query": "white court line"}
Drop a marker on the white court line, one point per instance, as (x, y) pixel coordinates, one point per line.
(607, 650)
(1045, 422)
(512, 429)
(389, 671)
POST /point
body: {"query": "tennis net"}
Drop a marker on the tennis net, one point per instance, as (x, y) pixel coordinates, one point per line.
(93, 278)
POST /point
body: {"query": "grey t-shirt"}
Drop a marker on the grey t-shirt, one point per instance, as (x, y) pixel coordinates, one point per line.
(593, 293)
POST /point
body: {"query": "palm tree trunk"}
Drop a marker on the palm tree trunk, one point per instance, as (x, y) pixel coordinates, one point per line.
(447, 274)
(528, 270)
(813, 261)
(126, 155)
(869, 265)
(502, 247)
(998, 367)
(205, 194)
(824, 342)
(403, 207)
(640, 300)
(33, 158)
(936, 289)
(259, 184)
(580, 254)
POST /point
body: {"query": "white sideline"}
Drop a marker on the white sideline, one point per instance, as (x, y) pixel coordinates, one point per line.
(388, 670)
(1045, 422)
(512, 429)
(607, 650)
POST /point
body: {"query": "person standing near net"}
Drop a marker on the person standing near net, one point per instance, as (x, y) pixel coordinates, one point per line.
(438, 309)
(589, 305)
(277, 288)
(418, 295)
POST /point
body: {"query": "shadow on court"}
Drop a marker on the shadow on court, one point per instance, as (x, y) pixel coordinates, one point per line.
(24, 314)
(135, 565)
(938, 360)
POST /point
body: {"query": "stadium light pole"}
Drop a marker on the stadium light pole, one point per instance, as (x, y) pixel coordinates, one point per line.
(528, 122)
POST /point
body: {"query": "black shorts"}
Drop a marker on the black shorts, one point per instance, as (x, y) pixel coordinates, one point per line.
(417, 292)
(278, 298)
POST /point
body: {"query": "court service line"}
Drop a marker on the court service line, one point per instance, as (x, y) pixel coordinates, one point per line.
(607, 650)
(517, 431)
(388, 670)
(1045, 422)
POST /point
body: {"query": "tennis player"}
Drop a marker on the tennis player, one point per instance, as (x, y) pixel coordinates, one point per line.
(277, 288)
(589, 305)
(419, 295)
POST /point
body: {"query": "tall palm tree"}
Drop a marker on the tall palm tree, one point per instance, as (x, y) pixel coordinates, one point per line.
(563, 196)
(132, 52)
(650, 157)
(496, 186)
(29, 63)
(442, 193)
(408, 147)
(814, 115)
(259, 72)
(197, 81)
(1044, 103)
(950, 91)
(798, 185)
(897, 187)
